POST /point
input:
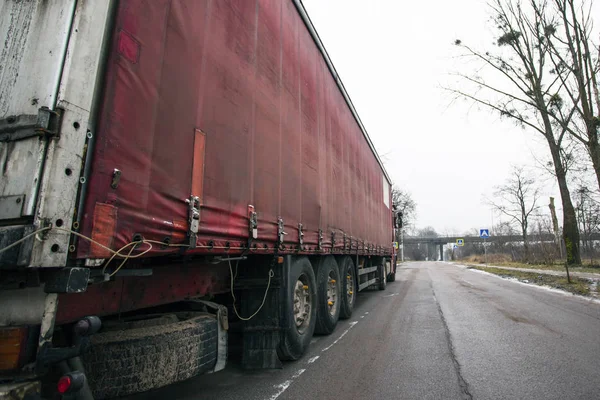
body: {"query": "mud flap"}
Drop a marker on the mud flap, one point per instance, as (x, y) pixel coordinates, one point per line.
(261, 334)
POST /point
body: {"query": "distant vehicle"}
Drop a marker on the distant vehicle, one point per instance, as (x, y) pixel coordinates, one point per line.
(158, 158)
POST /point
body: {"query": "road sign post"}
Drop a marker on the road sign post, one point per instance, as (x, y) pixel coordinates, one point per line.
(485, 252)
(484, 234)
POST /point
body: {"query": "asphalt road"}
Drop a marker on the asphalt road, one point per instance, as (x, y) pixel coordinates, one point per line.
(439, 332)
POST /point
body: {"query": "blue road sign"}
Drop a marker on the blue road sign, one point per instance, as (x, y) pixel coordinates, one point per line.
(456, 246)
(484, 233)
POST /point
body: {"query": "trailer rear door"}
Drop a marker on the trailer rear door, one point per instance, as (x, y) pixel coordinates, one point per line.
(35, 36)
(50, 67)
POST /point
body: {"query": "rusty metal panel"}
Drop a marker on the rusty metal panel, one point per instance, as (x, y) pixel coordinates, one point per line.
(35, 36)
(11, 207)
(49, 67)
(61, 180)
(278, 133)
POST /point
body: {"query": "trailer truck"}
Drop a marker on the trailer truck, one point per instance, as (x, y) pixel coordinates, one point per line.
(173, 170)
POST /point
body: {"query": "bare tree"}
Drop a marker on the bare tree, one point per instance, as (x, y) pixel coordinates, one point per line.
(527, 94)
(505, 228)
(588, 215)
(543, 251)
(518, 199)
(404, 203)
(575, 61)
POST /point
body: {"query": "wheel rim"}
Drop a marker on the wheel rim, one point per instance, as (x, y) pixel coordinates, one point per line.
(302, 304)
(331, 293)
(350, 286)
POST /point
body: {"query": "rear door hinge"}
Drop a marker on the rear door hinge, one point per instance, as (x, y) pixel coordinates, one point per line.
(280, 231)
(320, 242)
(252, 222)
(45, 124)
(193, 220)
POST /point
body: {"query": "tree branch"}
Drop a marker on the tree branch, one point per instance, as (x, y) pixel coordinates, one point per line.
(503, 112)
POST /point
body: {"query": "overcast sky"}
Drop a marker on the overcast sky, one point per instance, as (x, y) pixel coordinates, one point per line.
(393, 56)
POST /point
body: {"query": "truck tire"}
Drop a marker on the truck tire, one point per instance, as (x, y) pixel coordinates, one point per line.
(328, 295)
(348, 286)
(382, 276)
(124, 362)
(295, 340)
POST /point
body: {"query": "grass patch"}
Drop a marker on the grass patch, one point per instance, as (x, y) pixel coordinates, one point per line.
(555, 267)
(495, 258)
(578, 286)
(502, 260)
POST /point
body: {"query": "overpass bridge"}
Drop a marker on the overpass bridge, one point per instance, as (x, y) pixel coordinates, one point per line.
(441, 241)
(472, 239)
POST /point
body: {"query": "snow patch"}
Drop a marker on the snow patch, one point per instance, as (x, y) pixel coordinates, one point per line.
(545, 287)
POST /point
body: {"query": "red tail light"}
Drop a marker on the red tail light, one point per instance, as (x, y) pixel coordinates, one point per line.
(71, 382)
(64, 384)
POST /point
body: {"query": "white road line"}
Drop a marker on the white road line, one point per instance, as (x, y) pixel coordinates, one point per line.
(298, 373)
(281, 388)
(390, 295)
(285, 385)
(341, 336)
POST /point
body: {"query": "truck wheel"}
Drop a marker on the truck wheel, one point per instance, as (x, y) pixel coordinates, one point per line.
(382, 276)
(301, 310)
(328, 295)
(348, 284)
(142, 357)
